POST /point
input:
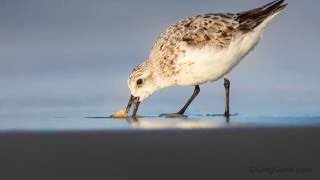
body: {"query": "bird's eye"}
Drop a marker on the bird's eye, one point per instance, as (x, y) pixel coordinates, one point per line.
(139, 81)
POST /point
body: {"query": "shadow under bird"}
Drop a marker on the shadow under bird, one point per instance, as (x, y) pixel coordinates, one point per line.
(198, 50)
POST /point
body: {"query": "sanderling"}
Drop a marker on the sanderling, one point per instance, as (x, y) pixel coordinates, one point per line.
(197, 50)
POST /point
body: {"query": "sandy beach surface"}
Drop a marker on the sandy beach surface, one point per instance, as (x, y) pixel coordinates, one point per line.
(157, 148)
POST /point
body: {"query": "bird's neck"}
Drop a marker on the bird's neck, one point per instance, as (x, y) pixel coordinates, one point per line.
(155, 73)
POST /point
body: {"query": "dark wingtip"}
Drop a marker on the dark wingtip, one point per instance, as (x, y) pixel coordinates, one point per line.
(272, 4)
(284, 5)
(266, 7)
(281, 7)
(250, 19)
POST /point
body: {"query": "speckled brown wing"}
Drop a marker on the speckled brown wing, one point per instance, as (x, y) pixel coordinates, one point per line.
(251, 19)
(216, 30)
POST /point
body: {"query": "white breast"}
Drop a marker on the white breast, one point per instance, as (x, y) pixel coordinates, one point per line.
(207, 64)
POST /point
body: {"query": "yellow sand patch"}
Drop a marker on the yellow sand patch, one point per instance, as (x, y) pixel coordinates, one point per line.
(120, 114)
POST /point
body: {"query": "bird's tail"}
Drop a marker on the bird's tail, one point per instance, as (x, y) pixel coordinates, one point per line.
(251, 19)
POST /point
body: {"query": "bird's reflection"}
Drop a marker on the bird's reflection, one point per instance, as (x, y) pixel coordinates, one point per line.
(178, 123)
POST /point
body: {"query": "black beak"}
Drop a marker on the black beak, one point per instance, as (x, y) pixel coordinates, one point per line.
(129, 104)
(136, 103)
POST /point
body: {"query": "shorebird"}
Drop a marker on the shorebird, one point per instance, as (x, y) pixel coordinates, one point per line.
(198, 50)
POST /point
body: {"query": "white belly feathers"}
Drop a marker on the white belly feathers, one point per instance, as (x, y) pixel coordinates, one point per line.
(207, 64)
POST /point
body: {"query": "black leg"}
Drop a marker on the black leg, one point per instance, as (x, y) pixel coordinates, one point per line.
(195, 93)
(184, 108)
(227, 90)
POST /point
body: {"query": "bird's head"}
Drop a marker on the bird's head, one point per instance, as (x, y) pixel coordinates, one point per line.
(142, 83)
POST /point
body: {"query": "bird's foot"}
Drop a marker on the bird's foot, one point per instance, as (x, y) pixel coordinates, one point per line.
(173, 115)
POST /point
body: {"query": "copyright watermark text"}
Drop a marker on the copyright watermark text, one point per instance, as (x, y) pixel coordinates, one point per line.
(279, 170)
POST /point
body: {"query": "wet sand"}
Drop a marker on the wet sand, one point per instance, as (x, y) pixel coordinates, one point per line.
(242, 153)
